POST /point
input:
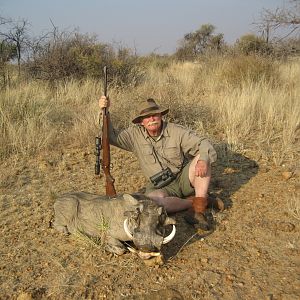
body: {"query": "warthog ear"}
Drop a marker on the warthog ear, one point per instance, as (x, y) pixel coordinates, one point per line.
(160, 210)
(130, 199)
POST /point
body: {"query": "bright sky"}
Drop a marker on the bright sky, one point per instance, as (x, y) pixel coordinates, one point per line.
(145, 25)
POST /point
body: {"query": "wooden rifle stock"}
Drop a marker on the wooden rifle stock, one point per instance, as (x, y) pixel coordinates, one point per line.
(105, 161)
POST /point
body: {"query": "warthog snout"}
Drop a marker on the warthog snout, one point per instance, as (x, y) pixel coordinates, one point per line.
(146, 226)
(146, 241)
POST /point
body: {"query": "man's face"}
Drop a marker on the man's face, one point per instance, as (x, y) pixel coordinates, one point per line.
(152, 123)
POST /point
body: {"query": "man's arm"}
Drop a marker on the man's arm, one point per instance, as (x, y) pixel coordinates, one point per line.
(121, 139)
(199, 147)
(194, 145)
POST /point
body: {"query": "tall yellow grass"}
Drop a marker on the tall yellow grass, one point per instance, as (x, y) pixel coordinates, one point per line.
(248, 103)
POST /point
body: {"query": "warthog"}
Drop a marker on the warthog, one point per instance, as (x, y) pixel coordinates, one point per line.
(119, 219)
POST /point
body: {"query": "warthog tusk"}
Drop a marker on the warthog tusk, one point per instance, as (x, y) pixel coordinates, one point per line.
(143, 255)
(170, 237)
(147, 255)
(132, 250)
(129, 234)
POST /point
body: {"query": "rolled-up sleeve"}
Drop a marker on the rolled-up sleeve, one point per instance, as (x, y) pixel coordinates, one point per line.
(207, 151)
(193, 145)
(120, 138)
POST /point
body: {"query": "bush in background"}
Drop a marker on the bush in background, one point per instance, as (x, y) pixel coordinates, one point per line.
(252, 44)
(64, 56)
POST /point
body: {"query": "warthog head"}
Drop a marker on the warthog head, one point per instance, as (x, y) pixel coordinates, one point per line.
(146, 226)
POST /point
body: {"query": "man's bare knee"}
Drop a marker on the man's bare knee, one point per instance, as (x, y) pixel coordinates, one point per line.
(157, 194)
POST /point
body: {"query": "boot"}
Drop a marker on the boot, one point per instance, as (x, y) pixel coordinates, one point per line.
(195, 215)
(216, 204)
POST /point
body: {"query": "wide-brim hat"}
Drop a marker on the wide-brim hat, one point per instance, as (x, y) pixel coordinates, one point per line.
(147, 108)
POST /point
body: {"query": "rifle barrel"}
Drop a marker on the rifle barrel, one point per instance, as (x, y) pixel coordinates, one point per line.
(109, 182)
(105, 86)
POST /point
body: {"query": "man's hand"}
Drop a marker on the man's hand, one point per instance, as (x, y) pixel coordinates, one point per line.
(201, 168)
(104, 102)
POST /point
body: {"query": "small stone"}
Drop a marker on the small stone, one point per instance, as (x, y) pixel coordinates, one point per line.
(229, 170)
(287, 175)
(204, 260)
(43, 166)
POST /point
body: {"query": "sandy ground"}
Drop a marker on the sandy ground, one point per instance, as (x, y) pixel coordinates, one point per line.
(253, 253)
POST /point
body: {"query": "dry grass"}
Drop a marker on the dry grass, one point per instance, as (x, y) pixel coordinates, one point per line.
(248, 103)
(293, 204)
(263, 115)
(35, 117)
(89, 241)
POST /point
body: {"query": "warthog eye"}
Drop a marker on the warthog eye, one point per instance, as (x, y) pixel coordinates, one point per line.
(160, 231)
(134, 215)
(136, 230)
(135, 222)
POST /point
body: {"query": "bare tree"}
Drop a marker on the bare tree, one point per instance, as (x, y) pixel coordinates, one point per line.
(285, 17)
(7, 53)
(17, 34)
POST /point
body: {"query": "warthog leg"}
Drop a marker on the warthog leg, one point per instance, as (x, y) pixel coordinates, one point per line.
(115, 246)
(62, 228)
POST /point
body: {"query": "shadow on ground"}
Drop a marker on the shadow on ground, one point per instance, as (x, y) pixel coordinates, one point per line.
(231, 171)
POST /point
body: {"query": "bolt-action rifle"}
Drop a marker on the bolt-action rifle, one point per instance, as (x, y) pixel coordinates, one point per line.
(103, 143)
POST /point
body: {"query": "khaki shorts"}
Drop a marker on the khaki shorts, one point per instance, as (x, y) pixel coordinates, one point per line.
(179, 187)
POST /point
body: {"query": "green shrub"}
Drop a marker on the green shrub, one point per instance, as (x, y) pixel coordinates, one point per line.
(252, 44)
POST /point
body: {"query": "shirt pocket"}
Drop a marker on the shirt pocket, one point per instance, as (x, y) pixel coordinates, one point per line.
(174, 155)
(147, 153)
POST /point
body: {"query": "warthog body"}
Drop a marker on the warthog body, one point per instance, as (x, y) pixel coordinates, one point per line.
(116, 220)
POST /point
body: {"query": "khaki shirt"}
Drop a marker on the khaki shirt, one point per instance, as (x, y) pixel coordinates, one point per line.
(173, 148)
